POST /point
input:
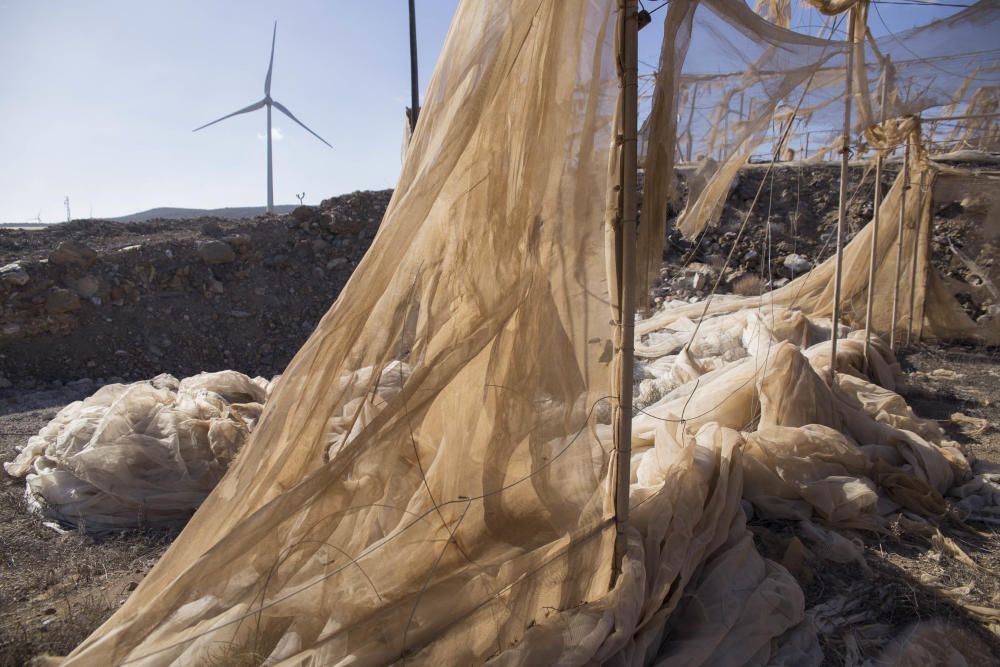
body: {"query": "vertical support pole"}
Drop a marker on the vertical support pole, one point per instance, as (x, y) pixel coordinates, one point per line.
(806, 152)
(414, 84)
(875, 220)
(629, 132)
(899, 242)
(913, 260)
(842, 209)
(270, 170)
(725, 133)
(690, 123)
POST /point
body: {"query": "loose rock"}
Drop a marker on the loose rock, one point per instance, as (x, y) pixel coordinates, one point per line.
(216, 252)
(72, 253)
(59, 301)
(14, 274)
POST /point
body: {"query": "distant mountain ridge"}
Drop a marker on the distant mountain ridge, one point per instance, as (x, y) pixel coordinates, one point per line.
(229, 212)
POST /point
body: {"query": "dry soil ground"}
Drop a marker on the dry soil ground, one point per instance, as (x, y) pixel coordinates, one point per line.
(55, 588)
(907, 579)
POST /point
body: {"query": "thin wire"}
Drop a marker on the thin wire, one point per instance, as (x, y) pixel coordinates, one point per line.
(925, 61)
(826, 244)
(746, 219)
(660, 7)
(462, 500)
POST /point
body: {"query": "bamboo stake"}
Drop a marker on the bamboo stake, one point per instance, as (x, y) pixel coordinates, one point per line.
(899, 243)
(842, 209)
(913, 261)
(690, 131)
(629, 177)
(875, 221)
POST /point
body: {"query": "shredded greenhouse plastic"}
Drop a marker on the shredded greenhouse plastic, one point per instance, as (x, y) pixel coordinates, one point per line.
(139, 455)
(431, 480)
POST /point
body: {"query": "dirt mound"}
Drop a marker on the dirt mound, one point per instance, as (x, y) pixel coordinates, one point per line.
(797, 206)
(109, 300)
(132, 300)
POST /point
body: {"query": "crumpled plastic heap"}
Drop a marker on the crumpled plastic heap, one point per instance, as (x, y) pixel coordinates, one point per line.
(143, 454)
(852, 455)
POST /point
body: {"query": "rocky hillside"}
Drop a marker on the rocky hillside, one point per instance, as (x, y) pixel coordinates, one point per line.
(103, 300)
(131, 300)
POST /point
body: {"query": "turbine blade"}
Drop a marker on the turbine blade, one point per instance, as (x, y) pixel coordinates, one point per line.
(288, 113)
(252, 107)
(270, 65)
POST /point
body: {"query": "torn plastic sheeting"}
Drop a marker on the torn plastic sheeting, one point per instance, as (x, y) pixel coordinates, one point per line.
(142, 454)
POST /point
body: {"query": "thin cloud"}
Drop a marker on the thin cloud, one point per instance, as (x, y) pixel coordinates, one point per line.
(276, 134)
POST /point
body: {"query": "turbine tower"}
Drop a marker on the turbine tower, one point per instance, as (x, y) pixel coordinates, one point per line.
(268, 102)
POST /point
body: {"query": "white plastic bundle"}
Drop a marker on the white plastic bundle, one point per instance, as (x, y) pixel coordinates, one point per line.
(140, 454)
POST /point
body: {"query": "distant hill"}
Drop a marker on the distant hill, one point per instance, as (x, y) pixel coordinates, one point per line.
(230, 212)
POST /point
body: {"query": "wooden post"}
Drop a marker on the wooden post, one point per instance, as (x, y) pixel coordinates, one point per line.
(899, 242)
(627, 228)
(875, 220)
(725, 132)
(842, 209)
(690, 132)
(913, 261)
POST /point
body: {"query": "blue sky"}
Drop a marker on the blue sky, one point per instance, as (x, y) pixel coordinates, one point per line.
(99, 99)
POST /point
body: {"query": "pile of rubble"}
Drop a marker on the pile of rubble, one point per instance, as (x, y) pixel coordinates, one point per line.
(112, 301)
(791, 228)
(132, 300)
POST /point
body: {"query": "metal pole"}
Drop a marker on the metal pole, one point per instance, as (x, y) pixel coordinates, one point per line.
(875, 220)
(629, 132)
(414, 84)
(842, 209)
(899, 243)
(916, 249)
(270, 170)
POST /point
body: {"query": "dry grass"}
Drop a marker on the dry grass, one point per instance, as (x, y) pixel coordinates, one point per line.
(748, 285)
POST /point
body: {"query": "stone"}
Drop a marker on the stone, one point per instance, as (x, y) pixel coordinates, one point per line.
(796, 263)
(59, 301)
(335, 262)
(237, 240)
(216, 252)
(212, 228)
(72, 253)
(87, 287)
(304, 213)
(14, 274)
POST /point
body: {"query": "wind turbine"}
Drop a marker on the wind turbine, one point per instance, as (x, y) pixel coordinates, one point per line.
(268, 102)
